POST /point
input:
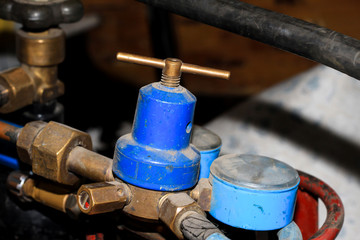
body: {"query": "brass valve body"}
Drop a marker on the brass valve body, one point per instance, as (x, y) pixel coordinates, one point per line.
(36, 79)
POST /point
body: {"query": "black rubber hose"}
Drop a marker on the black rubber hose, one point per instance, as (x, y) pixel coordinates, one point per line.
(309, 40)
(198, 227)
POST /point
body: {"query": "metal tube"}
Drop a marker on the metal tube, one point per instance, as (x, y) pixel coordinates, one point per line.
(90, 164)
(309, 40)
(9, 162)
(9, 132)
(41, 193)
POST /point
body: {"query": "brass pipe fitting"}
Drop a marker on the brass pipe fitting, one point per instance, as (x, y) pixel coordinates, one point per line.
(88, 163)
(40, 48)
(48, 194)
(202, 194)
(103, 197)
(145, 205)
(47, 147)
(36, 79)
(174, 208)
(58, 152)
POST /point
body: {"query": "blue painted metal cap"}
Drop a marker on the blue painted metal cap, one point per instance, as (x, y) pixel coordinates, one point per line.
(253, 192)
(157, 154)
(209, 145)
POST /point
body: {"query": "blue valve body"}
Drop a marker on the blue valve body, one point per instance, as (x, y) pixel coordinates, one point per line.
(156, 154)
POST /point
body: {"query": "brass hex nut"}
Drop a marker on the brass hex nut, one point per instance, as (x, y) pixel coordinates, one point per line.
(21, 89)
(51, 148)
(103, 197)
(26, 139)
(174, 207)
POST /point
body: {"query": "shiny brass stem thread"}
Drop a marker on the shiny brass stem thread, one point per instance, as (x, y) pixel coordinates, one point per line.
(171, 72)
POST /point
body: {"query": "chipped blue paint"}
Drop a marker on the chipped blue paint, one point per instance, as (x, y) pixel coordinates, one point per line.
(157, 153)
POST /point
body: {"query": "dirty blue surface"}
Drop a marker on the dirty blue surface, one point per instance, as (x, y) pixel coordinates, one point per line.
(253, 198)
(157, 153)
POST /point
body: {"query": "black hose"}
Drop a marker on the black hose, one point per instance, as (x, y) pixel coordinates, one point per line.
(309, 40)
(198, 227)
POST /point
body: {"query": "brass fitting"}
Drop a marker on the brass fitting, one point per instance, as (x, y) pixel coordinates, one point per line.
(87, 163)
(103, 197)
(48, 194)
(47, 147)
(202, 194)
(36, 79)
(145, 205)
(174, 208)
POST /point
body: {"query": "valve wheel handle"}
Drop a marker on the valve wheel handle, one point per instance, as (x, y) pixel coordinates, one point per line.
(40, 15)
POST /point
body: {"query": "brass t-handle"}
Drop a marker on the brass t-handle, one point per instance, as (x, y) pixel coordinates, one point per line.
(172, 68)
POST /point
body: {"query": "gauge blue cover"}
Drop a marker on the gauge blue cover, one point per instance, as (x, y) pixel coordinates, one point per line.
(259, 198)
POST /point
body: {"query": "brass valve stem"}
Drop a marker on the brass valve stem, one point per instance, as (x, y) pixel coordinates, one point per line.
(172, 68)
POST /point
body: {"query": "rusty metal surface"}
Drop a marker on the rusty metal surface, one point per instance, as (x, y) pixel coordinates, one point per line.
(335, 208)
(89, 164)
(103, 197)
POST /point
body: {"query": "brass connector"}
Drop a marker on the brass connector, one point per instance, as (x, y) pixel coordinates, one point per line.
(202, 194)
(145, 205)
(87, 163)
(19, 87)
(50, 195)
(36, 79)
(175, 207)
(103, 197)
(47, 147)
(58, 152)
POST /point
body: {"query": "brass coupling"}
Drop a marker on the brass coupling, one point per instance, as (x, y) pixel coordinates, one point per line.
(174, 208)
(50, 195)
(36, 79)
(202, 194)
(59, 152)
(103, 197)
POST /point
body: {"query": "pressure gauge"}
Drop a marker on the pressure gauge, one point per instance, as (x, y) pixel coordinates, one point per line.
(253, 192)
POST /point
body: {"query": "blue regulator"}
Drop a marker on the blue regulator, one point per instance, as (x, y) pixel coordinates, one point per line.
(157, 154)
(165, 153)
